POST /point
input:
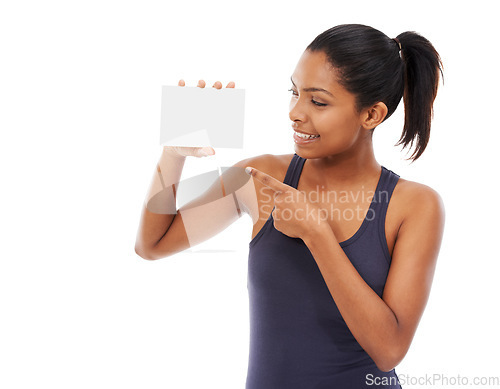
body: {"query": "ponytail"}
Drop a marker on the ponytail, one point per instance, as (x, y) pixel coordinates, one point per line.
(372, 67)
(422, 66)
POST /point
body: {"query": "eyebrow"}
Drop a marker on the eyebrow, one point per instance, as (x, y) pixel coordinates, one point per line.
(312, 89)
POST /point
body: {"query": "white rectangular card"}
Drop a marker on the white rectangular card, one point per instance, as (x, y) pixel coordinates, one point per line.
(194, 116)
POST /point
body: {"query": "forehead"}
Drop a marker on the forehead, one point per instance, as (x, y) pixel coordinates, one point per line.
(314, 70)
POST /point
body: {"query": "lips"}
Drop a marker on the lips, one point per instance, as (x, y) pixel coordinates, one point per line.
(300, 141)
(302, 132)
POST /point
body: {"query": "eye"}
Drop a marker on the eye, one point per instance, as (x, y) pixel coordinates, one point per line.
(312, 101)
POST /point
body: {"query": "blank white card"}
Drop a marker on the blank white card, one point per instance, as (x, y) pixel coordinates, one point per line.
(197, 117)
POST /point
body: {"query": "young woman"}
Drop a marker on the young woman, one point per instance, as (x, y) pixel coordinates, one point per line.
(340, 270)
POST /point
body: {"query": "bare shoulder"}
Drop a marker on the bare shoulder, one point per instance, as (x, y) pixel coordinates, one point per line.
(258, 161)
(252, 195)
(413, 198)
(274, 165)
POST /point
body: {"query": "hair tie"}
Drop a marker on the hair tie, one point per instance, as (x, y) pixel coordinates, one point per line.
(399, 44)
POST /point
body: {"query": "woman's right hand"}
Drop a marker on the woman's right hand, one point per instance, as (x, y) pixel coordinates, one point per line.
(195, 151)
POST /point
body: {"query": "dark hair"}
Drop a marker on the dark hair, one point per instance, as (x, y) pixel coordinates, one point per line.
(370, 67)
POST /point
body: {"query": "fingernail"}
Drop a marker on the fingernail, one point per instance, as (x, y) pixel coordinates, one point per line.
(203, 153)
(248, 170)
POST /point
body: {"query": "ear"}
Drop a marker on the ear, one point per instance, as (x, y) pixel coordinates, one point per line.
(371, 117)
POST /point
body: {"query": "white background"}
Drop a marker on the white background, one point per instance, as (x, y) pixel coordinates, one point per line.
(80, 90)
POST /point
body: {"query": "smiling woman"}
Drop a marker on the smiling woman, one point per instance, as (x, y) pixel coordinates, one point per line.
(335, 300)
(335, 303)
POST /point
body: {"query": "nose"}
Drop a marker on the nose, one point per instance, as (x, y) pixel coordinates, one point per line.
(296, 111)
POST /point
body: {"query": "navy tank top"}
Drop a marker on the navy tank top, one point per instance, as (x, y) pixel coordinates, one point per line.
(298, 338)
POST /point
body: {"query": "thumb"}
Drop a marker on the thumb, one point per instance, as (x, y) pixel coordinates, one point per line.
(205, 151)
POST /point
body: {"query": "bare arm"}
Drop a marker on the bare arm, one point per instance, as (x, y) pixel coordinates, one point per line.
(159, 208)
(385, 326)
(165, 231)
(227, 199)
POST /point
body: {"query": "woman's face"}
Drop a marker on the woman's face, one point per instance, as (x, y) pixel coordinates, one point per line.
(330, 113)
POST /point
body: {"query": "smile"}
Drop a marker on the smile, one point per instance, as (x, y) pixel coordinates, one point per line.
(300, 138)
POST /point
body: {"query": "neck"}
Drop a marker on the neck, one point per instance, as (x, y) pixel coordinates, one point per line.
(347, 169)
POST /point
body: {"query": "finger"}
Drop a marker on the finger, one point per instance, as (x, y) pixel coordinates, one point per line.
(208, 150)
(230, 85)
(218, 85)
(182, 83)
(267, 180)
(202, 152)
(201, 84)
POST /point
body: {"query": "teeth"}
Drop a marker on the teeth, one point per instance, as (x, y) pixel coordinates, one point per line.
(304, 136)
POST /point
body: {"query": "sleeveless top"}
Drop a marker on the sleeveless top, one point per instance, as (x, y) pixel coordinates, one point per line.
(298, 338)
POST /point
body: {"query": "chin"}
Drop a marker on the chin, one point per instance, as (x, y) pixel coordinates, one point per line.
(307, 154)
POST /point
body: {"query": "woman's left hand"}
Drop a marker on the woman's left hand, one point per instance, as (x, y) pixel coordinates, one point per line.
(293, 214)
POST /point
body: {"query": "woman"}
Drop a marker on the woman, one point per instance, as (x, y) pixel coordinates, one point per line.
(335, 299)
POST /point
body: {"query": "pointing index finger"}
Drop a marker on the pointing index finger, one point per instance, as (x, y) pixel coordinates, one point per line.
(267, 180)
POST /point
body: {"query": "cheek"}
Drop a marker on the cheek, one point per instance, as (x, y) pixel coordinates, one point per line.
(336, 123)
(338, 128)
